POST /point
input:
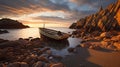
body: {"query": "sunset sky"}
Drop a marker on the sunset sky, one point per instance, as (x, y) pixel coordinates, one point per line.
(58, 13)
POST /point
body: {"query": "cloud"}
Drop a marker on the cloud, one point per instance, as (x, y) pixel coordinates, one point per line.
(27, 6)
(94, 3)
(51, 19)
(75, 8)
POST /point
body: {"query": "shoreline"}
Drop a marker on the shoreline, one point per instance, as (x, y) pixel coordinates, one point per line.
(28, 53)
(108, 41)
(92, 58)
(95, 50)
(91, 52)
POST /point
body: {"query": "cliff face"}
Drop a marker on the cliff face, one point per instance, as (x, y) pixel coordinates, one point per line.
(6, 23)
(104, 20)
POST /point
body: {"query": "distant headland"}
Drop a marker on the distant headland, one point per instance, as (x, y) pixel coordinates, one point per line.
(6, 23)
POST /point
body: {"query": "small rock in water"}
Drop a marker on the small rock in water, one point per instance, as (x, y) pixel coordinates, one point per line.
(35, 39)
(78, 46)
(85, 45)
(50, 57)
(71, 49)
(45, 49)
(49, 52)
(57, 57)
(95, 47)
(42, 58)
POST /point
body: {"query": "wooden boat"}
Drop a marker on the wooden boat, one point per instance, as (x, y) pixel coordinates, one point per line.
(53, 34)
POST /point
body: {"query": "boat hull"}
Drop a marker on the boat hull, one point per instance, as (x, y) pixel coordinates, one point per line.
(48, 34)
(45, 38)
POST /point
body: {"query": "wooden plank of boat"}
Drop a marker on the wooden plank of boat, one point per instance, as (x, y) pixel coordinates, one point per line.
(53, 34)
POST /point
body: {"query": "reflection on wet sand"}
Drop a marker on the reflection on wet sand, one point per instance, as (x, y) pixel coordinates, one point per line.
(79, 59)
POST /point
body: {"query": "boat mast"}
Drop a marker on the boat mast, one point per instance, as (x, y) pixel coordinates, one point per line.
(44, 25)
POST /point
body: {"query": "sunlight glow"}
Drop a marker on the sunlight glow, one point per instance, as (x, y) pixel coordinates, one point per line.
(30, 17)
(49, 25)
(37, 19)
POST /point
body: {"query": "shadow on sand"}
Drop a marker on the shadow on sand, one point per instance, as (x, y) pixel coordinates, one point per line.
(79, 59)
(105, 50)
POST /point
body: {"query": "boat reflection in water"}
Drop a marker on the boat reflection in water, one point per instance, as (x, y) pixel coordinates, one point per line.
(56, 45)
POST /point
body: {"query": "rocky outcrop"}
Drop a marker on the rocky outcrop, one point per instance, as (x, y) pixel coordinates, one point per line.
(2, 40)
(105, 41)
(27, 53)
(6, 23)
(104, 20)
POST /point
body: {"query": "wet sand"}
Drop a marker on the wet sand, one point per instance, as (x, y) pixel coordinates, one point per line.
(84, 57)
(104, 59)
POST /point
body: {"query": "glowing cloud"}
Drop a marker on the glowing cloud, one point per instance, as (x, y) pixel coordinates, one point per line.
(49, 11)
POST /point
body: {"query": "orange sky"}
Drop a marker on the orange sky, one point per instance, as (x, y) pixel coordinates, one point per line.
(51, 19)
(55, 13)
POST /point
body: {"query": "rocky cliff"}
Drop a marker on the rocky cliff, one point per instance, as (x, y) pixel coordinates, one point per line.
(104, 20)
(6, 23)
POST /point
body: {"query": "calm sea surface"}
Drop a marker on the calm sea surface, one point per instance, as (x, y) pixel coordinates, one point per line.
(15, 34)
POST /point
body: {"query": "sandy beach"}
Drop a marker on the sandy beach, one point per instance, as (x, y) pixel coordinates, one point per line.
(84, 57)
(104, 59)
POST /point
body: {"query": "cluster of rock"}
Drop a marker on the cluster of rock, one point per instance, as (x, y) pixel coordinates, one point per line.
(27, 53)
(104, 40)
(104, 20)
(100, 30)
(2, 40)
(6, 23)
(3, 31)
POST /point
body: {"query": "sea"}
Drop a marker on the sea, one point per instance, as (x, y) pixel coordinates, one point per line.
(15, 34)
